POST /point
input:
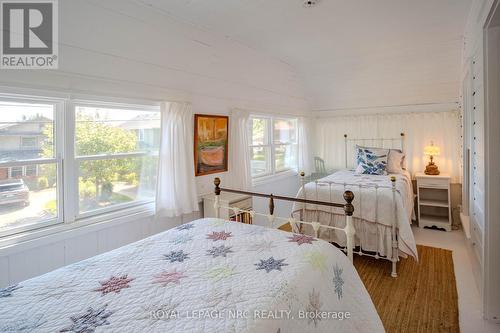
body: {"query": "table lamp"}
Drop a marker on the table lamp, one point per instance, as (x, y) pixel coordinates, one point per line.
(431, 168)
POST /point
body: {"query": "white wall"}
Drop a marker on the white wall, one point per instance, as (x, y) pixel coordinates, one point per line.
(287, 186)
(126, 49)
(473, 62)
(35, 257)
(442, 128)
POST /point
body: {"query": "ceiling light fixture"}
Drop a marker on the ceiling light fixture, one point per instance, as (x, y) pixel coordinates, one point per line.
(310, 3)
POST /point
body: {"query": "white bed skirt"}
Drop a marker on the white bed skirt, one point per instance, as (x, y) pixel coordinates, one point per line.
(370, 236)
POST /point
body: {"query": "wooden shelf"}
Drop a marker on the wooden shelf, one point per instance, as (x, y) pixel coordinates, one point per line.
(434, 203)
(428, 219)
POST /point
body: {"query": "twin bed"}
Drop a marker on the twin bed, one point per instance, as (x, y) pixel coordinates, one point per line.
(382, 217)
(383, 208)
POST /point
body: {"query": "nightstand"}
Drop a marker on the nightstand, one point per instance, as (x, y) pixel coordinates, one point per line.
(235, 200)
(434, 203)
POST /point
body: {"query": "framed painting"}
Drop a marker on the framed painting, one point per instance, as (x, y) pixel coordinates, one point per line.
(210, 144)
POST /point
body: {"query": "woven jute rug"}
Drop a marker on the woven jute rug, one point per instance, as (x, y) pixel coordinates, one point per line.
(423, 298)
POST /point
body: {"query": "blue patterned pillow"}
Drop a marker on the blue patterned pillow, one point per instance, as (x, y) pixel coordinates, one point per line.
(371, 161)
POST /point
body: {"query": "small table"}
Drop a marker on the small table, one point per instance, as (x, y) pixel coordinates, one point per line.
(232, 200)
(434, 201)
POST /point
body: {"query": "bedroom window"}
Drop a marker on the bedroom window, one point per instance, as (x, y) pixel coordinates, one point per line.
(116, 156)
(274, 146)
(105, 154)
(29, 168)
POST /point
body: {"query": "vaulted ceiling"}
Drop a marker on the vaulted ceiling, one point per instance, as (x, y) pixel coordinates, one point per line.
(349, 54)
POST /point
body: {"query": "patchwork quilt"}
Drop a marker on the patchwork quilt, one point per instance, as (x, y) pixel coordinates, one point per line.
(209, 275)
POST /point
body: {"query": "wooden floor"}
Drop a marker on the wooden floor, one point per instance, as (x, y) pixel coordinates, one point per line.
(423, 298)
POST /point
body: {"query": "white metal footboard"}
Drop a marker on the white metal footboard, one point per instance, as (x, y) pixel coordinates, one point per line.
(348, 211)
(394, 257)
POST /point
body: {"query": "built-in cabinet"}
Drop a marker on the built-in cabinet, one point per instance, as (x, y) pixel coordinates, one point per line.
(473, 207)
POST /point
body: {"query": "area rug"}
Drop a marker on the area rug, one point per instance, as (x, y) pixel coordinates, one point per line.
(423, 298)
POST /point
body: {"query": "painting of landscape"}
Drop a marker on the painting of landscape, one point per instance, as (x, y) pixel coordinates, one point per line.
(210, 144)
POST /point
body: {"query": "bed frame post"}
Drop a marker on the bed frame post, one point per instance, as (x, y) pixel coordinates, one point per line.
(271, 210)
(395, 247)
(217, 197)
(349, 225)
(303, 188)
(403, 142)
(345, 149)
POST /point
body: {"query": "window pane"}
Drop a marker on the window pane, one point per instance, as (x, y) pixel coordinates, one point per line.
(30, 199)
(260, 131)
(285, 157)
(105, 131)
(285, 131)
(104, 183)
(30, 170)
(260, 160)
(26, 131)
(16, 172)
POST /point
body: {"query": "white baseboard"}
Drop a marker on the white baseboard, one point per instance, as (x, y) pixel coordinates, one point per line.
(465, 220)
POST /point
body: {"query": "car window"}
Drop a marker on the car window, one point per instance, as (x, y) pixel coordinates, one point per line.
(13, 187)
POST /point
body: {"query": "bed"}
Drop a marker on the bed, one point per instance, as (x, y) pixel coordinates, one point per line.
(383, 207)
(209, 275)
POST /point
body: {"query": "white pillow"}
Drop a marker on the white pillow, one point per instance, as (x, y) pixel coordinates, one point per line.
(395, 161)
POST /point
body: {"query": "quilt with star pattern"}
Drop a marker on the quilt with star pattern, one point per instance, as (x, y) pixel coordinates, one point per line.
(208, 275)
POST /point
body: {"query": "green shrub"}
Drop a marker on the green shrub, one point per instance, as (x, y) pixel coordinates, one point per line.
(87, 189)
(51, 207)
(43, 183)
(130, 178)
(106, 191)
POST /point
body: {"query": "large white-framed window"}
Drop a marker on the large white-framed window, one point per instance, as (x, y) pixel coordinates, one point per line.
(87, 160)
(116, 166)
(30, 179)
(273, 145)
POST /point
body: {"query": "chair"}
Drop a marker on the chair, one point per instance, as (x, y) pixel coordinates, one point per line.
(319, 168)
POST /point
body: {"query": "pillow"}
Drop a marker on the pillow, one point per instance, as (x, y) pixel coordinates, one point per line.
(395, 162)
(371, 161)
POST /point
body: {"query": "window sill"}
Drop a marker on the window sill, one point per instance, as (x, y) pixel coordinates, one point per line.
(46, 235)
(273, 177)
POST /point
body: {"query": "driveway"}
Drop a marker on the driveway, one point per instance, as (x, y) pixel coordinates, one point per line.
(16, 215)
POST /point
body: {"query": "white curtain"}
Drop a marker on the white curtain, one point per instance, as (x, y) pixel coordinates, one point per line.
(306, 138)
(443, 128)
(176, 194)
(239, 150)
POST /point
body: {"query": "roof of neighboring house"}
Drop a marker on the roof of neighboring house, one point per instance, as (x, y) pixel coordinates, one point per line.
(9, 125)
(19, 155)
(21, 133)
(143, 121)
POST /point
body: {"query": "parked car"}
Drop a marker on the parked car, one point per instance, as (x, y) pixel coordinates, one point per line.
(14, 191)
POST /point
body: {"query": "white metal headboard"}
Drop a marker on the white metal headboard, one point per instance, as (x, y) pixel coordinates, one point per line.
(388, 143)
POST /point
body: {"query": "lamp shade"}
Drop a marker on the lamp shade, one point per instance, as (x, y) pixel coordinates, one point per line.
(432, 150)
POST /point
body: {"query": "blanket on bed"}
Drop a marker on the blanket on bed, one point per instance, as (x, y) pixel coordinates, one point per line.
(373, 202)
(209, 275)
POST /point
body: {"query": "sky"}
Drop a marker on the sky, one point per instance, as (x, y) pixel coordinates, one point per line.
(13, 112)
